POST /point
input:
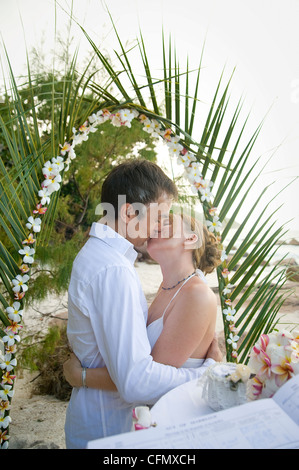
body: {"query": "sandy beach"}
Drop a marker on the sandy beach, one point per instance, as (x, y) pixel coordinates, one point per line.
(38, 420)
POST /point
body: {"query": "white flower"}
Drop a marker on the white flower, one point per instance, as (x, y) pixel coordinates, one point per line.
(34, 224)
(205, 194)
(4, 420)
(233, 339)
(95, 119)
(10, 339)
(79, 138)
(186, 159)
(58, 162)
(116, 120)
(175, 150)
(214, 225)
(27, 251)
(174, 140)
(14, 312)
(44, 194)
(223, 255)
(293, 347)
(19, 283)
(50, 169)
(126, 116)
(92, 129)
(72, 153)
(206, 183)
(193, 173)
(228, 288)
(98, 118)
(52, 184)
(8, 364)
(152, 127)
(229, 313)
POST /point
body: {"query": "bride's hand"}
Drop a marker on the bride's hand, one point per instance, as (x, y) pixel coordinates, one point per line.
(72, 371)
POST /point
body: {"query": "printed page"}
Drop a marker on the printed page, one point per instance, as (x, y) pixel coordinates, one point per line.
(287, 397)
(257, 425)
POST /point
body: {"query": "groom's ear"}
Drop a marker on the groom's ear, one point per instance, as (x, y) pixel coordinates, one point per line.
(127, 213)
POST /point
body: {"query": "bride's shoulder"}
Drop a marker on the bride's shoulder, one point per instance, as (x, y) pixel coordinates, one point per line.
(199, 293)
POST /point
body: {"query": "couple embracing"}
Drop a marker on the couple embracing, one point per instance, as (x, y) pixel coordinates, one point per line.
(124, 352)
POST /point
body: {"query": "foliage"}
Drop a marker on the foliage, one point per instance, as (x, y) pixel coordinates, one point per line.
(46, 354)
(80, 193)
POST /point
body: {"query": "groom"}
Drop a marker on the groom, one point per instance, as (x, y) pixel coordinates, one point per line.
(107, 310)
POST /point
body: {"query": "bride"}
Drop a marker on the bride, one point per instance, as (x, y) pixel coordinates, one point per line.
(182, 317)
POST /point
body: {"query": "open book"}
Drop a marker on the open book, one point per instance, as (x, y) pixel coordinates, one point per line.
(269, 423)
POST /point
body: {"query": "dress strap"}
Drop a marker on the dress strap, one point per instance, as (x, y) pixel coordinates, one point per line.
(177, 293)
(201, 275)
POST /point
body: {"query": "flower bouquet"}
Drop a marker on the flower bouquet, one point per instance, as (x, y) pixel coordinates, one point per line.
(274, 359)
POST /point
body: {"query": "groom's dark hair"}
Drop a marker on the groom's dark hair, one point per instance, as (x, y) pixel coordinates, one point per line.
(139, 180)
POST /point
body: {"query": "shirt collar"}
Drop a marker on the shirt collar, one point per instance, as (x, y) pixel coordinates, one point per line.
(113, 239)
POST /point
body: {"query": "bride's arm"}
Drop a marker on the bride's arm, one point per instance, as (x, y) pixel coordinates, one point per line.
(95, 378)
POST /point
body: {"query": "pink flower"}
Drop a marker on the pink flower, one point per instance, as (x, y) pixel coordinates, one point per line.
(65, 148)
(19, 295)
(265, 370)
(225, 273)
(213, 211)
(40, 210)
(7, 378)
(24, 268)
(256, 387)
(284, 371)
(30, 240)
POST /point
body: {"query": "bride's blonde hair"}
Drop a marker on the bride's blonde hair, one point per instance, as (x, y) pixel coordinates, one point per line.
(206, 255)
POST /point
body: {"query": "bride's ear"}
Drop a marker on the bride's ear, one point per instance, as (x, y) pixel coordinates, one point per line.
(190, 240)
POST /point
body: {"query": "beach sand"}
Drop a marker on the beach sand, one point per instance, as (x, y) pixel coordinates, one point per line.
(38, 420)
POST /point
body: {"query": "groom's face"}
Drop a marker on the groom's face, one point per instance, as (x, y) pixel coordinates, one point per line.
(149, 225)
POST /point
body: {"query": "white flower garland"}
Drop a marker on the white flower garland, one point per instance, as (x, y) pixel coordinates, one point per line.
(52, 180)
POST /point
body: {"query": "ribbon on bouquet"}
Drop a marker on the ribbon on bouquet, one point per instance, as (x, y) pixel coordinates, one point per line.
(141, 418)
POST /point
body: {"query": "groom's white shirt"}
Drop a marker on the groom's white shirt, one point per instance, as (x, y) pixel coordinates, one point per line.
(107, 316)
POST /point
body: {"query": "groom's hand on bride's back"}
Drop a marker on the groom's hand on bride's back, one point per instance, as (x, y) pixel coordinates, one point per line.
(214, 351)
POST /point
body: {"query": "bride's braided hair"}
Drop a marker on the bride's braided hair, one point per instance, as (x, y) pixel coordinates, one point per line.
(207, 255)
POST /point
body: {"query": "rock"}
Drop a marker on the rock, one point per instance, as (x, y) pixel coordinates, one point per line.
(24, 444)
(293, 273)
(289, 262)
(294, 242)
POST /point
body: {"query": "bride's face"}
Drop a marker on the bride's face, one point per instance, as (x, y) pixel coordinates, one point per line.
(171, 237)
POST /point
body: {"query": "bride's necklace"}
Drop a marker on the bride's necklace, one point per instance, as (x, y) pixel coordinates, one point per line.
(185, 279)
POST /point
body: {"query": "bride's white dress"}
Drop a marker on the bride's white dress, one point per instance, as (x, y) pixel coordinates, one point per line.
(155, 328)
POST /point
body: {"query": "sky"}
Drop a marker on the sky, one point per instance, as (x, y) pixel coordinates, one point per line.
(259, 38)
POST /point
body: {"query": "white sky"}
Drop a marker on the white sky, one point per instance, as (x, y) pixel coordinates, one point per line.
(260, 38)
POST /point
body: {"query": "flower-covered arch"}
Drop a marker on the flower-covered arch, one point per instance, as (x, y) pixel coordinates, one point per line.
(53, 171)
